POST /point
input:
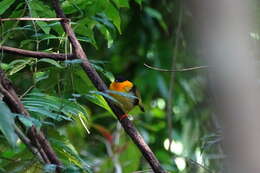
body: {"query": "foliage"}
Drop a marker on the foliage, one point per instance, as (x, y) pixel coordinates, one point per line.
(118, 36)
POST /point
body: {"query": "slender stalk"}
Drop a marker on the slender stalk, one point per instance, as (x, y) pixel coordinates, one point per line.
(176, 70)
(169, 112)
(28, 143)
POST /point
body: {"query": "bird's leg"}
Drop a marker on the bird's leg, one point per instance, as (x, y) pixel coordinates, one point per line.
(123, 117)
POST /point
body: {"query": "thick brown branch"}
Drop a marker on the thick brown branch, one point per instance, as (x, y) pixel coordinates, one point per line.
(39, 55)
(37, 137)
(100, 85)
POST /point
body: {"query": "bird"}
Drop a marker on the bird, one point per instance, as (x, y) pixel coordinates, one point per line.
(126, 103)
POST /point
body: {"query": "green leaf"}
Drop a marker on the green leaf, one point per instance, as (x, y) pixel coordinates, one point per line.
(51, 61)
(4, 66)
(7, 124)
(121, 3)
(124, 94)
(53, 107)
(157, 15)
(161, 84)
(47, 113)
(106, 34)
(105, 95)
(69, 152)
(24, 28)
(106, 166)
(29, 121)
(5, 4)
(43, 37)
(113, 14)
(130, 165)
(38, 76)
(188, 89)
(50, 168)
(85, 29)
(92, 61)
(98, 100)
(19, 64)
(139, 2)
(74, 61)
(41, 9)
(107, 74)
(102, 19)
(44, 26)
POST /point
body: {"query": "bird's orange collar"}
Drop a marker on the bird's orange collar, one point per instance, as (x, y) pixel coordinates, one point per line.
(121, 86)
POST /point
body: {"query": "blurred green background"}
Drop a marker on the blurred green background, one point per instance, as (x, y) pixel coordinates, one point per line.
(119, 36)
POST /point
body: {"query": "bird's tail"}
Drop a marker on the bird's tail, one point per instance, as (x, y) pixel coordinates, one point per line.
(141, 106)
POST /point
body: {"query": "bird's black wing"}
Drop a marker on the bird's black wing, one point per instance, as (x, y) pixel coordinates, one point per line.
(133, 90)
(137, 101)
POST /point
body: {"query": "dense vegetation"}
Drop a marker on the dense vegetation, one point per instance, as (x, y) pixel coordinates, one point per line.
(119, 36)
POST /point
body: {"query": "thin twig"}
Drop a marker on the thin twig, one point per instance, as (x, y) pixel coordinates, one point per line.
(176, 70)
(32, 18)
(198, 164)
(169, 112)
(8, 159)
(27, 91)
(35, 54)
(28, 143)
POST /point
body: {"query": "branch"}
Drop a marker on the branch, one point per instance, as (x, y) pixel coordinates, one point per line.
(37, 137)
(39, 55)
(100, 85)
(170, 103)
(32, 18)
(28, 143)
(176, 70)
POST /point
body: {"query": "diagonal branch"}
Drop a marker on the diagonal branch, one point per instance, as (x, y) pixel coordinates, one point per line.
(100, 85)
(39, 55)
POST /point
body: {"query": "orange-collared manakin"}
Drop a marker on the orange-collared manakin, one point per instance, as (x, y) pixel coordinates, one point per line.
(125, 86)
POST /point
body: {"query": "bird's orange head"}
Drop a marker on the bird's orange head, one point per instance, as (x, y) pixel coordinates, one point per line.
(121, 85)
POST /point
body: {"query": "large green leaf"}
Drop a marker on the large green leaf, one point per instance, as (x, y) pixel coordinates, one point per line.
(106, 73)
(157, 15)
(5, 4)
(19, 64)
(50, 61)
(40, 101)
(121, 3)
(68, 151)
(7, 124)
(38, 76)
(106, 34)
(130, 158)
(97, 99)
(44, 26)
(139, 2)
(55, 108)
(113, 14)
(29, 121)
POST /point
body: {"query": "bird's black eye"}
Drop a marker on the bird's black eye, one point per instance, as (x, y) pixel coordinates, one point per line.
(120, 79)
